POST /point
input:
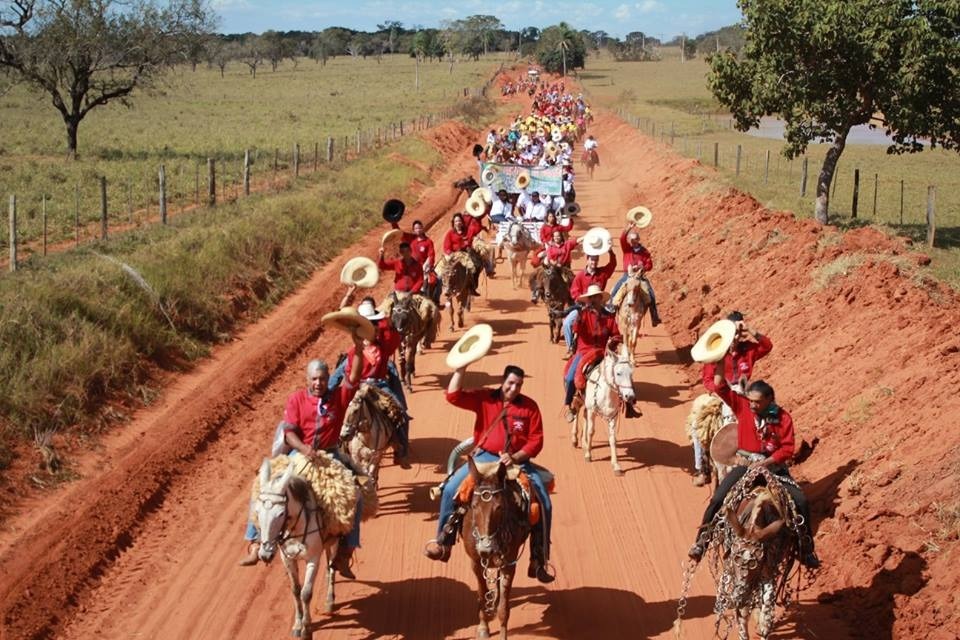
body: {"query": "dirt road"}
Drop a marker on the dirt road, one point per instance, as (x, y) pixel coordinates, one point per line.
(618, 541)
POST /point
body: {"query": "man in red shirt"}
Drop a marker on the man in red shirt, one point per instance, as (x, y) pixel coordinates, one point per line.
(509, 428)
(765, 437)
(595, 327)
(592, 274)
(636, 260)
(408, 272)
(312, 419)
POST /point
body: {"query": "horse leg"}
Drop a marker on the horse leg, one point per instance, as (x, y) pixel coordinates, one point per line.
(294, 574)
(450, 307)
(411, 368)
(587, 434)
(331, 596)
(575, 430)
(767, 610)
(306, 594)
(483, 628)
(612, 437)
(503, 610)
(743, 622)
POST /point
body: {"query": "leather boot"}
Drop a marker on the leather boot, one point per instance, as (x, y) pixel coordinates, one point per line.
(538, 566)
(252, 557)
(341, 562)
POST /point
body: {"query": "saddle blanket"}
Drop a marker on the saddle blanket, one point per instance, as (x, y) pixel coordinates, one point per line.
(465, 494)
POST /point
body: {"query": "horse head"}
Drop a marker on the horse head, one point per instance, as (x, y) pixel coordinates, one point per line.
(757, 521)
(355, 417)
(403, 315)
(620, 370)
(493, 515)
(515, 233)
(272, 509)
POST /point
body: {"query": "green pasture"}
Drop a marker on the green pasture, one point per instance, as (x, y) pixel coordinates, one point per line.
(671, 95)
(195, 115)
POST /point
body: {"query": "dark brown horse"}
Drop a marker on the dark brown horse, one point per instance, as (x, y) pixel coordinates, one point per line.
(457, 280)
(554, 283)
(467, 184)
(416, 319)
(494, 529)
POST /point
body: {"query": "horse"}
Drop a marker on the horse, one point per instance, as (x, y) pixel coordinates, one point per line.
(457, 280)
(518, 244)
(631, 311)
(556, 293)
(609, 386)
(303, 524)
(704, 422)
(752, 553)
(495, 527)
(466, 184)
(370, 425)
(417, 324)
(591, 160)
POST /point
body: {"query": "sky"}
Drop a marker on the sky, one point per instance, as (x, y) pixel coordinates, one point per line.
(659, 18)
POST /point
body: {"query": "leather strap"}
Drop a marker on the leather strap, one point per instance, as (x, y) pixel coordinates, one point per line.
(500, 416)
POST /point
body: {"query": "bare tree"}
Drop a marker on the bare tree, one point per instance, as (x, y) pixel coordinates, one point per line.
(252, 55)
(87, 53)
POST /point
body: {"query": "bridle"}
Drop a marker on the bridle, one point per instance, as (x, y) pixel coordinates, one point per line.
(493, 573)
(285, 532)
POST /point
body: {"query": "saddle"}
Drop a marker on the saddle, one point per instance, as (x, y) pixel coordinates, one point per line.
(519, 479)
(590, 361)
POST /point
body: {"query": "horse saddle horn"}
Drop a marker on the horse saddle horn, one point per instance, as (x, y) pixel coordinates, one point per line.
(393, 210)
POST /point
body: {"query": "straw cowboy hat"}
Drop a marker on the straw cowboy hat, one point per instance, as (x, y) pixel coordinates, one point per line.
(523, 179)
(361, 272)
(475, 207)
(472, 346)
(715, 342)
(551, 148)
(370, 312)
(347, 319)
(390, 235)
(489, 176)
(596, 241)
(594, 290)
(640, 217)
(482, 193)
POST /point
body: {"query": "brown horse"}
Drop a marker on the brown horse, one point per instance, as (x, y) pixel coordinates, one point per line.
(416, 319)
(494, 529)
(457, 279)
(591, 160)
(554, 282)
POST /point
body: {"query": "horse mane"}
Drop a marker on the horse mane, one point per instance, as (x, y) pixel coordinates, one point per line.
(300, 490)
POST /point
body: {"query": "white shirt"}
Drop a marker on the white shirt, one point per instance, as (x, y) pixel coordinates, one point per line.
(501, 208)
(536, 212)
(523, 201)
(589, 144)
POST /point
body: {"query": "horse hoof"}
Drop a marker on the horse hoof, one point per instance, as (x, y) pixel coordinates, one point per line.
(296, 633)
(587, 457)
(618, 472)
(328, 608)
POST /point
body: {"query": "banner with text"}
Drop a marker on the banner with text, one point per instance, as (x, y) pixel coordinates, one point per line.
(542, 179)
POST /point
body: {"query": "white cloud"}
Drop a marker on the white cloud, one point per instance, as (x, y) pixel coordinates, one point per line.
(650, 6)
(622, 12)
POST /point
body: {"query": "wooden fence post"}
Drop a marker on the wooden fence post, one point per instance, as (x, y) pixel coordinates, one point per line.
(76, 213)
(13, 233)
(43, 213)
(901, 203)
(196, 185)
(296, 160)
(401, 126)
(803, 178)
(876, 186)
(766, 168)
(163, 195)
(316, 156)
(672, 134)
(246, 172)
(931, 222)
(211, 182)
(358, 142)
(329, 149)
(130, 203)
(699, 150)
(739, 150)
(716, 154)
(103, 207)
(856, 192)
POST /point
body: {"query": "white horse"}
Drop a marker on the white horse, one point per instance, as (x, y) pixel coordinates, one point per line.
(609, 386)
(291, 520)
(518, 242)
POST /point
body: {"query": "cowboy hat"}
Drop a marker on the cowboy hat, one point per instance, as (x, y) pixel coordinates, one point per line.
(390, 235)
(370, 312)
(393, 210)
(484, 194)
(596, 241)
(488, 176)
(571, 209)
(551, 148)
(640, 217)
(523, 179)
(472, 346)
(347, 319)
(361, 272)
(594, 290)
(477, 150)
(556, 135)
(713, 345)
(475, 207)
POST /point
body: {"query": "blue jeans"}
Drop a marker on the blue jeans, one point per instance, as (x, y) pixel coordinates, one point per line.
(352, 539)
(568, 323)
(568, 387)
(654, 315)
(622, 281)
(452, 485)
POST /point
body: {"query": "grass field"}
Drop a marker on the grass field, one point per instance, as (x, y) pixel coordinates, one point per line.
(670, 95)
(198, 115)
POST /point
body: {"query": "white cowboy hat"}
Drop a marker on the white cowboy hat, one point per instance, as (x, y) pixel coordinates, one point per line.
(556, 136)
(475, 207)
(594, 290)
(524, 141)
(472, 346)
(347, 319)
(715, 342)
(596, 241)
(483, 193)
(361, 272)
(489, 176)
(390, 235)
(523, 179)
(370, 312)
(640, 217)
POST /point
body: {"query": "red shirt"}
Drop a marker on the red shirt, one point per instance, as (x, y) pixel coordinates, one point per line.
(474, 225)
(301, 415)
(546, 231)
(736, 365)
(561, 254)
(522, 417)
(771, 436)
(599, 277)
(634, 256)
(454, 241)
(408, 276)
(594, 328)
(422, 249)
(377, 355)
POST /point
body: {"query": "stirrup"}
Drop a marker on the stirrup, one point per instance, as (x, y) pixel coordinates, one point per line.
(439, 551)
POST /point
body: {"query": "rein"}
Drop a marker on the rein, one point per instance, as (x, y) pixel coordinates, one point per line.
(285, 531)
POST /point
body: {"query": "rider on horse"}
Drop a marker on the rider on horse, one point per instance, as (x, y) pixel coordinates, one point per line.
(592, 274)
(594, 327)
(423, 251)
(551, 225)
(312, 420)
(738, 366)
(764, 437)
(460, 238)
(636, 260)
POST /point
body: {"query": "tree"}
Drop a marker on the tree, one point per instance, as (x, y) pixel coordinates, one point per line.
(560, 48)
(86, 53)
(391, 28)
(825, 66)
(251, 53)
